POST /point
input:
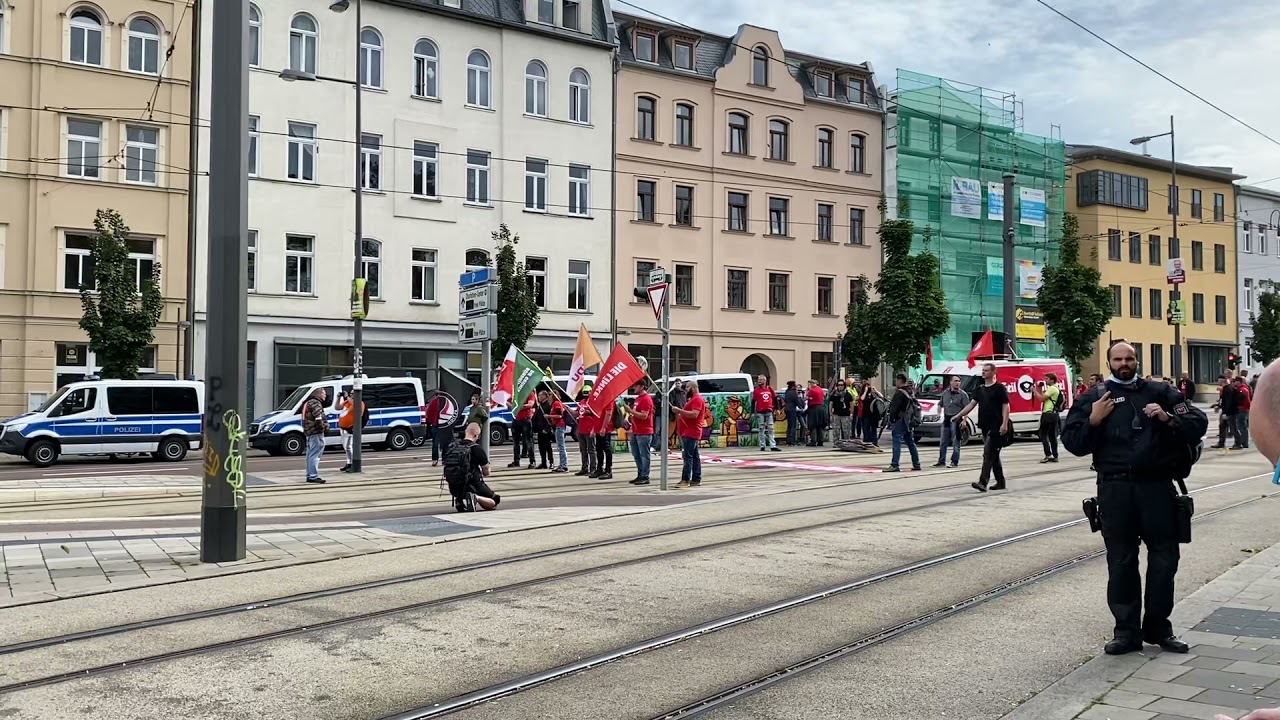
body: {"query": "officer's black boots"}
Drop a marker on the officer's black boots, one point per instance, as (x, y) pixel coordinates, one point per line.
(1122, 646)
(1170, 644)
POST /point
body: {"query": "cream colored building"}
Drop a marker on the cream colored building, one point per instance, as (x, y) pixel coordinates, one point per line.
(751, 174)
(91, 116)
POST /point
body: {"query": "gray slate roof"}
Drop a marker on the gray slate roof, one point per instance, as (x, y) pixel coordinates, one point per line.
(715, 51)
(511, 13)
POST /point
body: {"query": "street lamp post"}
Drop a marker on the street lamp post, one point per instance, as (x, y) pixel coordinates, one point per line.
(1174, 201)
(357, 359)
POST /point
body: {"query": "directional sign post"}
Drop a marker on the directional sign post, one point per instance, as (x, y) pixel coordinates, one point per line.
(660, 301)
(477, 323)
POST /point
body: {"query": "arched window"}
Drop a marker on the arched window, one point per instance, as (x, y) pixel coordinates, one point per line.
(426, 68)
(478, 79)
(779, 140)
(86, 37)
(857, 154)
(370, 58)
(739, 134)
(477, 259)
(646, 111)
(144, 46)
(255, 36)
(760, 66)
(535, 89)
(579, 96)
(371, 262)
(304, 40)
(826, 147)
(684, 124)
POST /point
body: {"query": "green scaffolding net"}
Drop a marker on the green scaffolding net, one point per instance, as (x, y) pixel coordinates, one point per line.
(950, 145)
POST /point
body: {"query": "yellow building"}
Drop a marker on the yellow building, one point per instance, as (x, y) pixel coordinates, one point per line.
(1122, 201)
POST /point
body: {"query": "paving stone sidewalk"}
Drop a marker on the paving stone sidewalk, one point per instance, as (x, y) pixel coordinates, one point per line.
(1233, 627)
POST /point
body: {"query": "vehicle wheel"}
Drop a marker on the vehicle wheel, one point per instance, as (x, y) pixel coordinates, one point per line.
(172, 450)
(965, 434)
(398, 439)
(497, 435)
(292, 444)
(42, 453)
(419, 441)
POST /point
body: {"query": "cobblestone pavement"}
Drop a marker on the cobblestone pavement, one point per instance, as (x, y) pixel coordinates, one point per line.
(1233, 627)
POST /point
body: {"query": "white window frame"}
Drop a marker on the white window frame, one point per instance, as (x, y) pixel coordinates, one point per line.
(255, 36)
(535, 89)
(371, 265)
(149, 43)
(138, 153)
(426, 69)
(535, 185)
(89, 151)
(255, 138)
(478, 178)
(1248, 237)
(420, 271)
(371, 69)
(304, 44)
(251, 241)
(536, 270)
(581, 282)
(478, 79)
(371, 162)
(83, 265)
(137, 258)
(1262, 239)
(304, 146)
(426, 157)
(1248, 294)
(571, 15)
(579, 97)
(83, 26)
(580, 190)
(304, 260)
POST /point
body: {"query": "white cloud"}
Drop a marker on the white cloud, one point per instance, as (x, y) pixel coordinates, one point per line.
(1062, 75)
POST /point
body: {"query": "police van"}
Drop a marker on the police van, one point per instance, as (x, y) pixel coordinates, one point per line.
(397, 415)
(104, 417)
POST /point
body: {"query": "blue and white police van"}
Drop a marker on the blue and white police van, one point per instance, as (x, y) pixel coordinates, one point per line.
(397, 415)
(105, 417)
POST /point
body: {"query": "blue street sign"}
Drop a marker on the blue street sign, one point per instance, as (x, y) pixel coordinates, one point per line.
(475, 277)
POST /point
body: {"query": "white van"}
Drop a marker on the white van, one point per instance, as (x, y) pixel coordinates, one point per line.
(397, 415)
(102, 417)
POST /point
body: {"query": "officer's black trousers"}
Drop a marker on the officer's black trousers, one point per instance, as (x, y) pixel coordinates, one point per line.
(1131, 512)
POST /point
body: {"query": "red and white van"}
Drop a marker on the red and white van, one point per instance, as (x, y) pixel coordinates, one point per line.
(1018, 376)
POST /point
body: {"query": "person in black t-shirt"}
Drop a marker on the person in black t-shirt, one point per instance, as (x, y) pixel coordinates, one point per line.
(485, 498)
(992, 401)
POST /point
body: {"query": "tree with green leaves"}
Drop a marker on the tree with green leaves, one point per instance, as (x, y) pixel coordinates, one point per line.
(519, 306)
(1075, 305)
(1266, 328)
(910, 310)
(860, 354)
(122, 309)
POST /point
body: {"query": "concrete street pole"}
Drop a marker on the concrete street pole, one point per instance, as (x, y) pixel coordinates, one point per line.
(486, 384)
(1176, 294)
(665, 448)
(1010, 272)
(357, 360)
(223, 499)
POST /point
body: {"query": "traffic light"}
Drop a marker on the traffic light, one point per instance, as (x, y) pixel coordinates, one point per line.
(1233, 360)
(641, 293)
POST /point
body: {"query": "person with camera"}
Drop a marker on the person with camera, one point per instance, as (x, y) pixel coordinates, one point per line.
(346, 424)
(1143, 437)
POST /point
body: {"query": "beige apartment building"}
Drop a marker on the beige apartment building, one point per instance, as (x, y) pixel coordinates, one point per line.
(752, 175)
(92, 115)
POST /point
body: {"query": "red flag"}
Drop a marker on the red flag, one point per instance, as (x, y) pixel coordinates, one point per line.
(928, 356)
(619, 372)
(984, 347)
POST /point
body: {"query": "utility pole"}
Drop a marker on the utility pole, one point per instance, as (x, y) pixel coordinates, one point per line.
(1176, 293)
(223, 498)
(1010, 272)
(666, 395)
(357, 359)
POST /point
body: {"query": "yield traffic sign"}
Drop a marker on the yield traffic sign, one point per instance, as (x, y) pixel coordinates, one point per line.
(657, 295)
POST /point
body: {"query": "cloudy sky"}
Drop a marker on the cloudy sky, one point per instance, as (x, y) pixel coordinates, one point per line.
(1228, 52)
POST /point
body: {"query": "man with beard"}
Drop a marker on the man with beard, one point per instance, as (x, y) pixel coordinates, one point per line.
(1134, 429)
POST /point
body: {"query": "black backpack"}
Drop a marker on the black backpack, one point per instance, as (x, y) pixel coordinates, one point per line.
(1060, 400)
(915, 415)
(457, 473)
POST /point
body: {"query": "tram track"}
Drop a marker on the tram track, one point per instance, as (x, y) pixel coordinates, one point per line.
(122, 629)
(723, 697)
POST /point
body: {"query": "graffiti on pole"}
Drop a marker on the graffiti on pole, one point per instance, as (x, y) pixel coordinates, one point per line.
(235, 461)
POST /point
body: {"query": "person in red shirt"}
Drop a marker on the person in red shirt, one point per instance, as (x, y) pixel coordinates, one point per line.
(689, 427)
(816, 399)
(641, 433)
(762, 401)
(441, 437)
(522, 434)
(1241, 418)
(586, 435)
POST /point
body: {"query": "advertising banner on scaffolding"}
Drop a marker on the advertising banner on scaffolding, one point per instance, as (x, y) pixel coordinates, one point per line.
(966, 198)
(995, 201)
(1033, 208)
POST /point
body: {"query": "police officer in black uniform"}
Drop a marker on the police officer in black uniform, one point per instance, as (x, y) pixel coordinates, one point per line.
(1132, 428)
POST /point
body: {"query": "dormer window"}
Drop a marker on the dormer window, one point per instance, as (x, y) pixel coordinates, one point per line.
(547, 11)
(646, 47)
(569, 15)
(855, 89)
(682, 56)
(823, 84)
